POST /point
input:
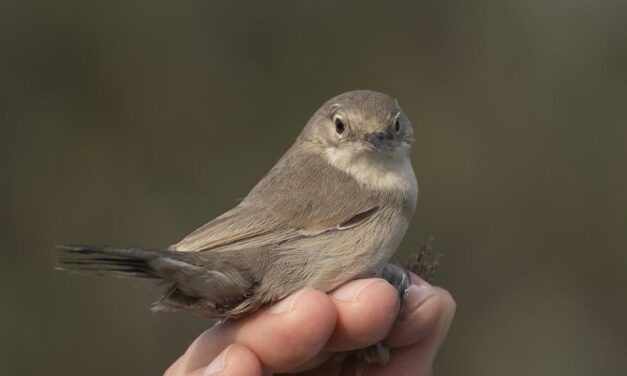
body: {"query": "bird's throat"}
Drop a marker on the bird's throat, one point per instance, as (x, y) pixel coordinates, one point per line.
(391, 172)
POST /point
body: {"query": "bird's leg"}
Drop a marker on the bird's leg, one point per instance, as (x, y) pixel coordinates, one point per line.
(424, 265)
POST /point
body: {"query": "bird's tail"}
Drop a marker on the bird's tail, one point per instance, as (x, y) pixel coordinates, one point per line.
(197, 283)
(119, 261)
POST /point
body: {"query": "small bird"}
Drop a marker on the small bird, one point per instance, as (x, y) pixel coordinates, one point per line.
(334, 208)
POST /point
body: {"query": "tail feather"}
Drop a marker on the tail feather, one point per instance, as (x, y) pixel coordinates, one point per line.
(130, 262)
(195, 285)
(111, 250)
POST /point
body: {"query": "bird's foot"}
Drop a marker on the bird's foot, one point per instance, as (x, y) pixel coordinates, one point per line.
(424, 265)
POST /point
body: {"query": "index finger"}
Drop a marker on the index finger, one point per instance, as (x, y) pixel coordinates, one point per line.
(283, 336)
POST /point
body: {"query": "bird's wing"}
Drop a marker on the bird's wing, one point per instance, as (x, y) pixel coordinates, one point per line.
(301, 196)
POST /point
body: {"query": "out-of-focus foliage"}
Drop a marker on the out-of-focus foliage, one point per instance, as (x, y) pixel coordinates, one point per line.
(137, 121)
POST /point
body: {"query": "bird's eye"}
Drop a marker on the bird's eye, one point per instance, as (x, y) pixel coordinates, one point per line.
(339, 125)
(397, 126)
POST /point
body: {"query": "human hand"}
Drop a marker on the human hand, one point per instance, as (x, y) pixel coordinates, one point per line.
(310, 333)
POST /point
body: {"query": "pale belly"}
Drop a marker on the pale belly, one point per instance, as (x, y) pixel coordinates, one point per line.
(357, 253)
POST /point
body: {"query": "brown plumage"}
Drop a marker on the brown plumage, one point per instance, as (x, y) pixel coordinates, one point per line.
(333, 208)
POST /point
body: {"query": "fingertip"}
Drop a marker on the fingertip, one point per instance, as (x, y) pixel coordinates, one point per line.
(285, 337)
(418, 339)
(430, 309)
(175, 367)
(448, 309)
(448, 302)
(366, 310)
(234, 360)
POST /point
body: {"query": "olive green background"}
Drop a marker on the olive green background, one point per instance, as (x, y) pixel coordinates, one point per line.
(134, 122)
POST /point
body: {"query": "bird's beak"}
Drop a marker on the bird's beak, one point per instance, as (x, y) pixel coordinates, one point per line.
(377, 139)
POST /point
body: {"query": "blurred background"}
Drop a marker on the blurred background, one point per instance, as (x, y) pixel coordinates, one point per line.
(134, 122)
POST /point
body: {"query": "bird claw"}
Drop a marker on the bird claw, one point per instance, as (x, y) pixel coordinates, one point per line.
(424, 265)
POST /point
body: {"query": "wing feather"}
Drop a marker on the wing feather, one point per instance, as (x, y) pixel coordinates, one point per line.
(303, 195)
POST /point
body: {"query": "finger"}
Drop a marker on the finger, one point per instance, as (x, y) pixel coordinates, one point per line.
(418, 358)
(366, 310)
(235, 360)
(282, 336)
(421, 310)
(177, 368)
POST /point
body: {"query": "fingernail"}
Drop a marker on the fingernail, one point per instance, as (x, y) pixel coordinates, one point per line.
(352, 292)
(287, 304)
(416, 295)
(218, 363)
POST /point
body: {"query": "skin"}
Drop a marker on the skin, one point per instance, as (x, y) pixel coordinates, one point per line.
(309, 333)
